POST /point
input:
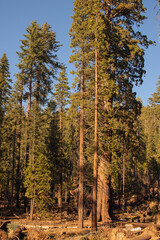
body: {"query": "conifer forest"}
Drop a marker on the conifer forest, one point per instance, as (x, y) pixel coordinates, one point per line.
(89, 151)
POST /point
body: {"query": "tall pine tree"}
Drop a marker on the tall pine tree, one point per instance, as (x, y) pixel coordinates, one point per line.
(39, 64)
(61, 96)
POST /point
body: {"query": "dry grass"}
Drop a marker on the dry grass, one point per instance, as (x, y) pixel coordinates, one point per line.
(56, 226)
(3, 235)
(37, 234)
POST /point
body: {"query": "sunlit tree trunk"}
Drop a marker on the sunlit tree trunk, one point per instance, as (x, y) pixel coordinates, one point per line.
(95, 166)
(31, 208)
(124, 195)
(13, 166)
(81, 157)
(60, 172)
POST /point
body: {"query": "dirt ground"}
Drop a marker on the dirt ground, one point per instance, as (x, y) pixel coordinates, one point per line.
(38, 230)
(135, 225)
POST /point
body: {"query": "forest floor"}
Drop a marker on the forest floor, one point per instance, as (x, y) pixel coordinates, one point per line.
(136, 224)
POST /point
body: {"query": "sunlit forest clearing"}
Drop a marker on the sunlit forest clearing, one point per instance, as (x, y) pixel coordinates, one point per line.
(81, 162)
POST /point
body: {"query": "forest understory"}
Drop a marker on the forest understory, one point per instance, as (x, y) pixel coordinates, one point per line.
(136, 223)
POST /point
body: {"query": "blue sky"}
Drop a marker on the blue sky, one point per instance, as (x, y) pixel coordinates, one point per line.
(16, 15)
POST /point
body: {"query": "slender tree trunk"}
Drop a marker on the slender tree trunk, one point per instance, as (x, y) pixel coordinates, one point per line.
(148, 184)
(136, 179)
(19, 149)
(60, 191)
(124, 195)
(31, 208)
(137, 170)
(17, 187)
(7, 199)
(60, 173)
(81, 163)
(26, 202)
(13, 165)
(66, 194)
(27, 132)
(32, 159)
(119, 191)
(27, 149)
(95, 166)
(158, 185)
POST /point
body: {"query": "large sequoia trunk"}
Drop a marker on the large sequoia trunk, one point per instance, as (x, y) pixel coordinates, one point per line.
(104, 209)
(104, 200)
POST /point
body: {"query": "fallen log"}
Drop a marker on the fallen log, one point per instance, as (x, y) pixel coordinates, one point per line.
(144, 225)
(48, 226)
(142, 237)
